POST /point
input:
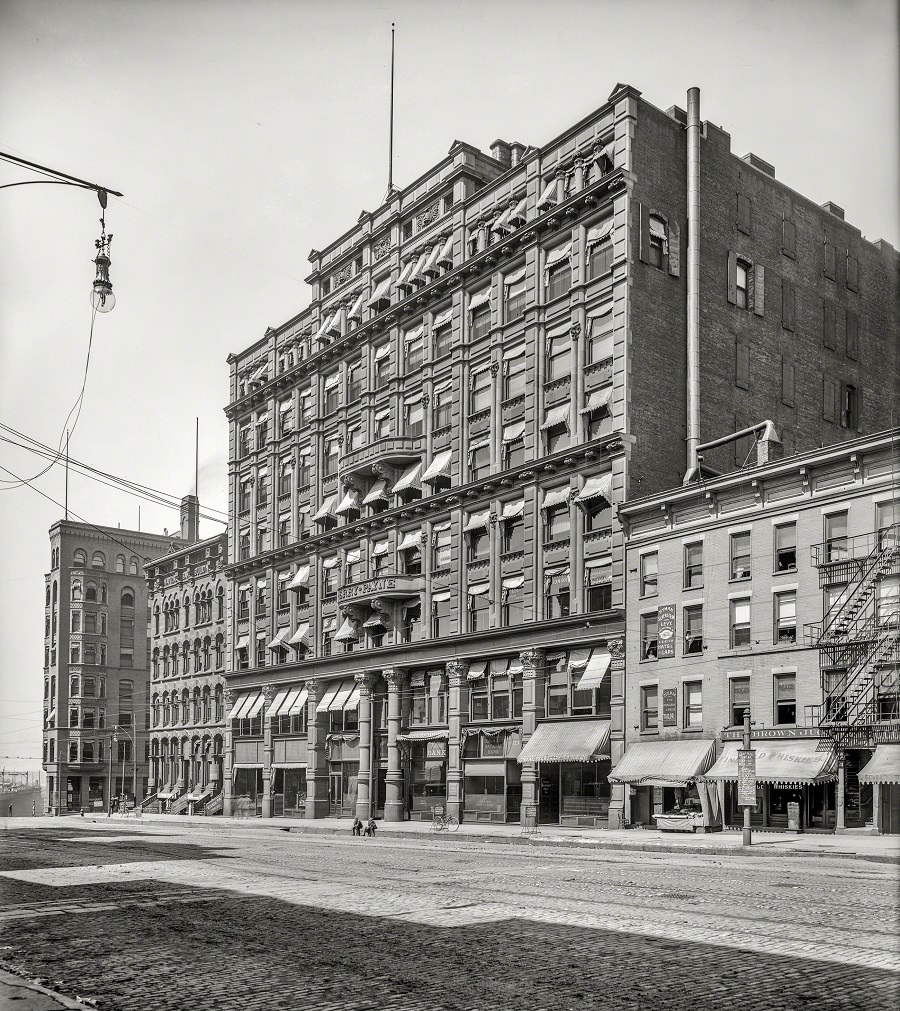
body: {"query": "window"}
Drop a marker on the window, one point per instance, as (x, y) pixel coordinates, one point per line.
(98, 560)
(478, 543)
(479, 610)
(262, 488)
(600, 334)
(600, 258)
(740, 623)
(330, 575)
(657, 245)
(262, 540)
(557, 523)
(788, 237)
(479, 391)
(411, 629)
(649, 707)
(481, 321)
(649, 574)
(244, 496)
(740, 555)
(558, 596)
(693, 565)
(788, 304)
(556, 437)
(516, 290)
(382, 365)
(786, 547)
(354, 381)
(514, 377)
(441, 614)
(442, 406)
(849, 406)
(262, 431)
(382, 424)
(514, 534)
(284, 531)
(440, 547)
(515, 452)
(649, 639)
(742, 284)
(244, 441)
(442, 337)
(887, 601)
(693, 630)
(693, 705)
(332, 454)
(243, 602)
(830, 261)
(559, 355)
(332, 393)
(559, 278)
(415, 352)
(243, 552)
(739, 690)
(598, 583)
(414, 417)
(512, 601)
(261, 650)
(836, 537)
(785, 699)
(411, 560)
(479, 459)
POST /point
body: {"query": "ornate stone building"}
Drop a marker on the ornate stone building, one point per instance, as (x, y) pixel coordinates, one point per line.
(187, 608)
(426, 569)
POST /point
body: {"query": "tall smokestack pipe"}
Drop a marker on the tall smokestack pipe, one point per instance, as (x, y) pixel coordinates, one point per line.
(693, 280)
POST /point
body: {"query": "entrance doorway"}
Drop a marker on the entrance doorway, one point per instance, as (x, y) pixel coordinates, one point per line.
(548, 788)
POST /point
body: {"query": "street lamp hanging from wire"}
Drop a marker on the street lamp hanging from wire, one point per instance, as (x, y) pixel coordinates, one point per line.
(102, 297)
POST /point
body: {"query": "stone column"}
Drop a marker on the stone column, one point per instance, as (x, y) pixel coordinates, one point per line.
(877, 827)
(365, 682)
(394, 801)
(620, 795)
(533, 661)
(317, 805)
(228, 757)
(840, 790)
(457, 702)
(268, 695)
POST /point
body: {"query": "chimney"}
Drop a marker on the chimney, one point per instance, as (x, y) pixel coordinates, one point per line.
(500, 152)
(517, 150)
(190, 519)
(833, 208)
(768, 446)
(759, 163)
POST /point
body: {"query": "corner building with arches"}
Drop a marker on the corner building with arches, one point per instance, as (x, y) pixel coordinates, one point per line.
(187, 615)
(425, 564)
(96, 666)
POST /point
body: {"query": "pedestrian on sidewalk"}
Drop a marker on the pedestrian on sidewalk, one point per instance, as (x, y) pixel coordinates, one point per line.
(357, 825)
(370, 828)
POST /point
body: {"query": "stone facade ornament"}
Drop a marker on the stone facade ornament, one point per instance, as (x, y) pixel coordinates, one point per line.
(394, 678)
(532, 661)
(457, 671)
(365, 682)
(382, 248)
(575, 331)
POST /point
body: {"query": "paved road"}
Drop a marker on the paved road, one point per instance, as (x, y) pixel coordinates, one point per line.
(159, 917)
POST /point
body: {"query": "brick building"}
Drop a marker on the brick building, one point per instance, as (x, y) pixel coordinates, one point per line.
(96, 670)
(187, 614)
(427, 574)
(775, 589)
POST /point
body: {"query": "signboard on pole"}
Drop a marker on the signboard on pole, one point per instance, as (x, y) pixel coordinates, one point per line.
(665, 630)
(746, 781)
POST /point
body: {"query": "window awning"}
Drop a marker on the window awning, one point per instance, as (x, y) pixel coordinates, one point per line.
(301, 578)
(548, 194)
(568, 741)
(518, 214)
(556, 496)
(348, 502)
(405, 273)
(596, 487)
(500, 222)
(414, 334)
(598, 572)
(556, 416)
(281, 696)
(377, 493)
(411, 539)
(345, 690)
(599, 400)
(423, 735)
(301, 636)
(477, 521)
(512, 433)
(476, 670)
(327, 320)
(353, 700)
(446, 254)
(286, 405)
(439, 467)
(383, 351)
(332, 381)
(281, 639)
(516, 352)
(657, 228)
(785, 763)
(595, 670)
(352, 556)
(558, 254)
(514, 278)
(330, 563)
(664, 763)
(410, 478)
(418, 268)
(884, 765)
(296, 702)
(431, 266)
(328, 696)
(478, 300)
(478, 589)
(513, 582)
(356, 310)
(382, 291)
(513, 509)
(598, 233)
(442, 319)
(376, 621)
(326, 510)
(347, 632)
(243, 642)
(380, 548)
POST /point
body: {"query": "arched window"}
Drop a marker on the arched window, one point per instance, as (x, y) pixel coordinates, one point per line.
(185, 706)
(156, 620)
(120, 563)
(91, 592)
(220, 597)
(54, 593)
(220, 651)
(197, 661)
(103, 593)
(48, 596)
(76, 590)
(133, 568)
(220, 704)
(198, 609)
(207, 646)
(197, 709)
(128, 597)
(187, 611)
(79, 558)
(98, 560)
(155, 663)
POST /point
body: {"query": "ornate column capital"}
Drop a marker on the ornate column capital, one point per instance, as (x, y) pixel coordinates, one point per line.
(616, 648)
(228, 699)
(532, 661)
(268, 692)
(394, 678)
(314, 689)
(456, 672)
(365, 682)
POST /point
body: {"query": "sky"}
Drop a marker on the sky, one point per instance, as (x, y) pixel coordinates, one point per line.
(243, 135)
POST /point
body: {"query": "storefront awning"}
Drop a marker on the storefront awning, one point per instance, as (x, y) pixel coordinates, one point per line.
(296, 702)
(278, 702)
(664, 763)
(568, 741)
(424, 735)
(328, 696)
(784, 763)
(353, 701)
(345, 690)
(439, 467)
(884, 765)
(241, 708)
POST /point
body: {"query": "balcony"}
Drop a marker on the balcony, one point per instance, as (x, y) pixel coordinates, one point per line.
(395, 449)
(386, 586)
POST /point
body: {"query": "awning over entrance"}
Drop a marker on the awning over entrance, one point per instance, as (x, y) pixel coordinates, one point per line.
(424, 735)
(785, 763)
(664, 763)
(884, 765)
(568, 741)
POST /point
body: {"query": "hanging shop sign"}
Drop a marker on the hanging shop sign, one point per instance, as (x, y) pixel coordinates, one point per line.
(666, 630)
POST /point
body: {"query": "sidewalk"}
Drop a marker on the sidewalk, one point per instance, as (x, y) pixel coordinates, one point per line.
(25, 995)
(854, 843)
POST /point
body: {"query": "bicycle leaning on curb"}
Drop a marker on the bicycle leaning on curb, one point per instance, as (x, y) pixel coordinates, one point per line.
(441, 821)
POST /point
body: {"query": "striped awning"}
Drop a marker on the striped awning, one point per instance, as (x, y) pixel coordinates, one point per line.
(664, 763)
(556, 416)
(596, 487)
(301, 636)
(568, 741)
(548, 194)
(377, 493)
(281, 639)
(439, 467)
(595, 669)
(599, 400)
(281, 696)
(884, 765)
(325, 510)
(348, 502)
(244, 703)
(296, 702)
(784, 763)
(598, 233)
(423, 735)
(301, 578)
(410, 478)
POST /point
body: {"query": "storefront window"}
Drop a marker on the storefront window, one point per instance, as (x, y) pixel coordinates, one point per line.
(289, 792)
(585, 789)
(248, 787)
(428, 775)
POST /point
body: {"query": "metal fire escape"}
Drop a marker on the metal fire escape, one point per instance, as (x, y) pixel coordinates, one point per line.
(859, 641)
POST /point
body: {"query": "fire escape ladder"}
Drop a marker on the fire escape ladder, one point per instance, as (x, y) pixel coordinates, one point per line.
(882, 557)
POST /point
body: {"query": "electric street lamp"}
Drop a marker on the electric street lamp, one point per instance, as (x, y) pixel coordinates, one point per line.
(115, 740)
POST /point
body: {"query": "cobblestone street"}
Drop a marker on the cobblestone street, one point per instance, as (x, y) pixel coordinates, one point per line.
(138, 917)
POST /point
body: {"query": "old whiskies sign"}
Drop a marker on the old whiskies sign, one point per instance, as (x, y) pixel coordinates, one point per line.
(665, 630)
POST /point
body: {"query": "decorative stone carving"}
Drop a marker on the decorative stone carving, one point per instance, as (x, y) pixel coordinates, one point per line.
(532, 661)
(575, 331)
(616, 648)
(366, 682)
(382, 248)
(457, 671)
(393, 678)
(495, 368)
(428, 216)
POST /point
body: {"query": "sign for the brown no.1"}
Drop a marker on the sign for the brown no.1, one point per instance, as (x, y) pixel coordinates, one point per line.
(665, 617)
